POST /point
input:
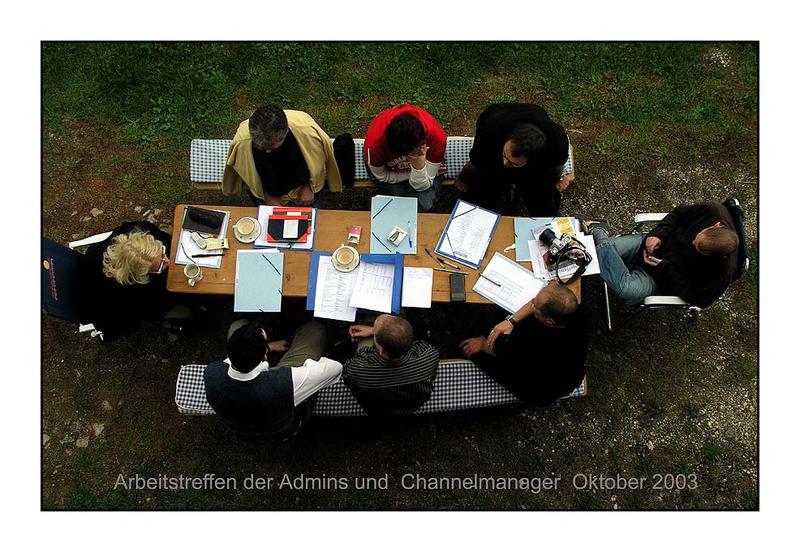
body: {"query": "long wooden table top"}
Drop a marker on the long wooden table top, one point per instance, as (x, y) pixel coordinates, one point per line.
(331, 232)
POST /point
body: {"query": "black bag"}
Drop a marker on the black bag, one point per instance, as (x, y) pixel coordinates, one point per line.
(344, 150)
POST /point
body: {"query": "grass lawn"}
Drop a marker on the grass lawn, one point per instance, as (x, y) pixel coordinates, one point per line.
(652, 125)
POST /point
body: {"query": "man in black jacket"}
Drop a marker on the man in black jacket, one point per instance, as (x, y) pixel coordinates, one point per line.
(691, 253)
(516, 144)
(538, 352)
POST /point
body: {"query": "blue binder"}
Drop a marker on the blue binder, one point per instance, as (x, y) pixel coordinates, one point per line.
(397, 286)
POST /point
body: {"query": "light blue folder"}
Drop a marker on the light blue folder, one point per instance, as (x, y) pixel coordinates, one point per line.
(259, 281)
(386, 213)
(523, 231)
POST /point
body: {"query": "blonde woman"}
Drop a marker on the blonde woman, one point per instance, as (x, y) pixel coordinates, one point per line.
(127, 280)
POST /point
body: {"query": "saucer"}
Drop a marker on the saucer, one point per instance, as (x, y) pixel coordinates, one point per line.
(252, 236)
(345, 259)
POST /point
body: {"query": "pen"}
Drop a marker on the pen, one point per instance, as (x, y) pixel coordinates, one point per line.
(492, 281)
(428, 251)
(449, 270)
(450, 264)
(409, 234)
(209, 255)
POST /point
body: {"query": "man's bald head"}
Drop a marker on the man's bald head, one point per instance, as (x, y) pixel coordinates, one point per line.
(393, 335)
(554, 304)
(716, 240)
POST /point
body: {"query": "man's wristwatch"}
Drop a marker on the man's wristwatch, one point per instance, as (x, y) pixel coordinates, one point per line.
(510, 318)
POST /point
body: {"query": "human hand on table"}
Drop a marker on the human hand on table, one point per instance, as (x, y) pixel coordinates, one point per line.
(278, 346)
(651, 244)
(503, 328)
(474, 345)
(306, 195)
(360, 330)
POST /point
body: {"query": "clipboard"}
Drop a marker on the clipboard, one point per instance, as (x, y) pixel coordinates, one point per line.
(445, 239)
(397, 284)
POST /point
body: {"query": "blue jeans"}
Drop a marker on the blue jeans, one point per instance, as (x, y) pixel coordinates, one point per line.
(615, 255)
(425, 199)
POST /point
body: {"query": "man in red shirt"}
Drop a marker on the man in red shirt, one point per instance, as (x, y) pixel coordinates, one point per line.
(404, 152)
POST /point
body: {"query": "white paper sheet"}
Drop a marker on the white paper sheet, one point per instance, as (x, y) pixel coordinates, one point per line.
(507, 284)
(469, 233)
(334, 288)
(186, 246)
(417, 287)
(373, 287)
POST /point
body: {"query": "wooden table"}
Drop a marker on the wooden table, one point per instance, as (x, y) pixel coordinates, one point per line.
(331, 232)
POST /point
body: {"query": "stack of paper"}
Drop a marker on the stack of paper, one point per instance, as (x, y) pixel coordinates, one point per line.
(259, 281)
(528, 228)
(467, 234)
(417, 287)
(537, 251)
(264, 212)
(507, 284)
(187, 249)
(388, 212)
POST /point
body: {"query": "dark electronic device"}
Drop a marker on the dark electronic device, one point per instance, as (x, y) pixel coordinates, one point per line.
(565, 253)
(458, 291)
(203, 220)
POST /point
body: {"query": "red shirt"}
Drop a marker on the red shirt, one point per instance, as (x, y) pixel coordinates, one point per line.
(378, 154)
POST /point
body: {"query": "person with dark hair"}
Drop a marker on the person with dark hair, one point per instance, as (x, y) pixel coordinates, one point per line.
(390, 373)
(693, 253)
(259, 401)
(283, 157)
(517, 147)
(404, 153)
(537, 353)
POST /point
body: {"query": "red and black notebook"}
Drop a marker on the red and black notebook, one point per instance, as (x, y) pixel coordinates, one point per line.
(289, 224)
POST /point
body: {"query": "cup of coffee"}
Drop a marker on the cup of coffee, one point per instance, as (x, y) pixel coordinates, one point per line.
(245, 226)
(345, 258)
(193, 272)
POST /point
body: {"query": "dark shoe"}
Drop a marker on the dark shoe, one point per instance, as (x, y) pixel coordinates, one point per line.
(589, 225)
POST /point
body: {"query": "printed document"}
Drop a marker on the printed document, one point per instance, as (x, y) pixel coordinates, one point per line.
(334, 288)
(373, 287)
(417, 287)
(507, 284)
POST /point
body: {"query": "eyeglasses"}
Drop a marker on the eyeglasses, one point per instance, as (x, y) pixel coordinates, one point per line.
(510, 163)
(164, 260)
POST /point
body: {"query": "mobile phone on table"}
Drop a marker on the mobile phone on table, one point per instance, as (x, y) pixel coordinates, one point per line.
(458, 291)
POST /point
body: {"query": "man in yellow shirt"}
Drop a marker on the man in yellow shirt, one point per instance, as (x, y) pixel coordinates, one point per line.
(282, 156)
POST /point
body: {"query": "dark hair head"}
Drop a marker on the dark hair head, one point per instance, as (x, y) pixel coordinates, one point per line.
(559, 303)
(247, 347)
(268, 126)
(404, 134)
(718, 240)
(527, 140)
(394, 334)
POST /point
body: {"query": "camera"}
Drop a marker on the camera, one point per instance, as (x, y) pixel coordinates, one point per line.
(555, 245)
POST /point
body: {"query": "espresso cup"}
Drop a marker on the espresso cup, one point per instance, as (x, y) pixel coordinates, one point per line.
(193, 272)
(245, 226)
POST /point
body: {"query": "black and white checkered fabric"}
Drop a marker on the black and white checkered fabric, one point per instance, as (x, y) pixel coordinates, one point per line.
(459, 385)
(207, 158)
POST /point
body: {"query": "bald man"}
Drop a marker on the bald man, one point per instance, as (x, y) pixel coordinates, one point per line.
(538, 352)
(390, 373)
(691, 253)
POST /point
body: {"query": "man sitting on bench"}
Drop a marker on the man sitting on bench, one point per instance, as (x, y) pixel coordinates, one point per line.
(538, 352)
(262, 402)
(516, 145)
(390, 372)
(404, 153)
(691, 253)
(282, 156)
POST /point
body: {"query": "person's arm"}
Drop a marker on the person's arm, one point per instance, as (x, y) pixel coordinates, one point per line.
(423, 171)
(674, 220)
(314, 375)
(701, 294)
(384, 175)
(506, 326)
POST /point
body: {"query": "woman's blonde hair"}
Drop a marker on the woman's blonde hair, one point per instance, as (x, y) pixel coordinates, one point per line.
(129, 257)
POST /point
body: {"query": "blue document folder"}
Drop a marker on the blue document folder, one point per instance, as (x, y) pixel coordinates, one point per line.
(478, 224)
(259, 281)
(386, 213)
(523, 231)
(397, 284)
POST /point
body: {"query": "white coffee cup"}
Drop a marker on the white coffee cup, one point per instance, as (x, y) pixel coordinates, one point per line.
(193, 272)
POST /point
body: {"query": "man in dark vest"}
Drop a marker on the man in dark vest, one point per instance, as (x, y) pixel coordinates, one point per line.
(516, 145)
(260, 401)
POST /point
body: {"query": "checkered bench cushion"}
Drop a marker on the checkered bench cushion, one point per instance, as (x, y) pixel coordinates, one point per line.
(207, 158)
(459, 385)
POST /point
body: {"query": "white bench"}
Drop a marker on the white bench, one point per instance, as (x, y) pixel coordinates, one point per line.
(459, 385)
(207, 161)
